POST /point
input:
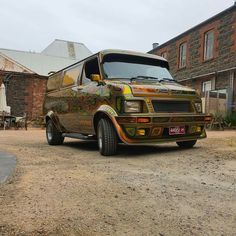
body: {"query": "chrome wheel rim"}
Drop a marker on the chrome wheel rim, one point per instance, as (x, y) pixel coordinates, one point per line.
(49, 132)
(100, 137)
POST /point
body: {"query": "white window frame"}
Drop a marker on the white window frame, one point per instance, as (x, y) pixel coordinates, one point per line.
(164, 54)
(207, 86)
(183, 55)
(209, 45)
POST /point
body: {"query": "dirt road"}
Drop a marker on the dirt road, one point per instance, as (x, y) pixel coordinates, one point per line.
(159, 190)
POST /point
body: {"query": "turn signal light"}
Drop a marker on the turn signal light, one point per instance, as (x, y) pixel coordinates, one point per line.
(207, 118)
(143, 120)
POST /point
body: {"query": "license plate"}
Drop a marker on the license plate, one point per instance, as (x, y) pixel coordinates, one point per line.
(176, 130)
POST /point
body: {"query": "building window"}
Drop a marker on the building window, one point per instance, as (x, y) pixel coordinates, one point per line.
(182, 55)
(164, 54)
(208, 45)
(206, 86)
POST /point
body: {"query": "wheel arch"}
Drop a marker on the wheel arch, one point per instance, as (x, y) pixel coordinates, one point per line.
(99, 115)
(52, 116)
(104, 111)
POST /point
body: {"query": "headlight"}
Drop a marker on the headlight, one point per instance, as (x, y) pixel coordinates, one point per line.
(198, 107)
(132, 106)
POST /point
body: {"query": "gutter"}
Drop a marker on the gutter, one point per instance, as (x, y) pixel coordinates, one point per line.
(232, 8)
(208, 74)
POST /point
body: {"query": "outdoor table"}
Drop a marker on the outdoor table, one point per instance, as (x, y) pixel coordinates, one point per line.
(7, 118)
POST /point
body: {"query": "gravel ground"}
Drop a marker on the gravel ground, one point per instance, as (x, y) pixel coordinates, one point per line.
(159, 190)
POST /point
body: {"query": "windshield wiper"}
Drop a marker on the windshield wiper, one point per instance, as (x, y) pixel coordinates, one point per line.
(143, 77)
(166, 79)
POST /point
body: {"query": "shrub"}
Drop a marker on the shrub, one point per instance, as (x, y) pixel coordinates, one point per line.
(230, 119)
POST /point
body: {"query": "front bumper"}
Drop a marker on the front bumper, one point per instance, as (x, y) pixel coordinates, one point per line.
(151, 129)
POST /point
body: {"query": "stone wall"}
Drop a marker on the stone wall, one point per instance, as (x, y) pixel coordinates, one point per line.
(224, 27)
(197, 70)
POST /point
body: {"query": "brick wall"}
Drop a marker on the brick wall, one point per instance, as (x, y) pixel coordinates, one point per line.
(25, 93)
(39, 89)
(234, 89)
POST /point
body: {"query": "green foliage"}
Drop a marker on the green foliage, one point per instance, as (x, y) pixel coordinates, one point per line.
(230, 119)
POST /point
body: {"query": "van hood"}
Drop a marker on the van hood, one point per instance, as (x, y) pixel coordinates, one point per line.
(152, 89)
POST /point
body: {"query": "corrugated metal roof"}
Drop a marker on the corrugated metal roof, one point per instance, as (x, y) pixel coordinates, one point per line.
(8, 64)
(36, 62)
(55, 57)
(67, 49)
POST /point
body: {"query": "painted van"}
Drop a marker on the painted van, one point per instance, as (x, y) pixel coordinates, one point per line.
(126, 97)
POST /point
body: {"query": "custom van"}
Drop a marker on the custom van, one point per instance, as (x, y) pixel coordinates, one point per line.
(125, 97)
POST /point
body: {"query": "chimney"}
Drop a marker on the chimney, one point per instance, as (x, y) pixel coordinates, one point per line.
(155, 45)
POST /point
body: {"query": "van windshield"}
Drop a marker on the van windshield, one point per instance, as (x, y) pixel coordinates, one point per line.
(131, 67)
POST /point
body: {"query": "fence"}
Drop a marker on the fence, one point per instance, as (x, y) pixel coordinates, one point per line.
(216, 102)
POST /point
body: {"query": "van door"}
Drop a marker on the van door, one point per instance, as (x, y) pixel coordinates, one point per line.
(89, 96)
(69, 98)
(52, 102)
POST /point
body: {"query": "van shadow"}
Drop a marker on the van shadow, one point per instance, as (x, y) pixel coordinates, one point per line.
(138, 151)
(125, 151)
(82, 145)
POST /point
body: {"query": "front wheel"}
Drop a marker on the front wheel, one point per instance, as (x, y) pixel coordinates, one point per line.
(107, 137)
(54, 137)
(187, 144)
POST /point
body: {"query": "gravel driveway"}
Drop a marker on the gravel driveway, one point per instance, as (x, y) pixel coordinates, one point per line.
(158, 190)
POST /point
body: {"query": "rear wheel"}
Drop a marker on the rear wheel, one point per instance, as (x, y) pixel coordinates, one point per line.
(107, 137)
(54, 137)
(187, 144)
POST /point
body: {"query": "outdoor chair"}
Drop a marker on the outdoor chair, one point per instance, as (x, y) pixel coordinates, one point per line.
(217, 122)
(3, 123)
(21, 122)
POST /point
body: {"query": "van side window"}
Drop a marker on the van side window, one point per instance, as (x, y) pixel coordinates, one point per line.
(85, 80)
(54, 82)
(71, 75)
(90, 67)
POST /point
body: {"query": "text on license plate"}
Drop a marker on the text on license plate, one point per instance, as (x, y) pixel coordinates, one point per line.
(176, 130)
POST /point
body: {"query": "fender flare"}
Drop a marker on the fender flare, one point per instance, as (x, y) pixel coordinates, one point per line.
(107, 111)
(53, 117)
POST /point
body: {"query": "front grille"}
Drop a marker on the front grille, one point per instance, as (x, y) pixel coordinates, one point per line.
(171, 106)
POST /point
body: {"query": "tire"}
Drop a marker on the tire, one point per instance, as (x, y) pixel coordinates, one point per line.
(54, 137)
(187, 144)
(107, 138)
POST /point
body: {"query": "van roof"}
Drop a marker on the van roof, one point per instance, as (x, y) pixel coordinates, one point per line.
(127, 52)
(117, 51)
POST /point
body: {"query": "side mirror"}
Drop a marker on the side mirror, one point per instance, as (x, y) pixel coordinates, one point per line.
(95, 77)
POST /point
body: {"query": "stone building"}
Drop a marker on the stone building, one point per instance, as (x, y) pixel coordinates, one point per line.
(204, 57)
(25, 74)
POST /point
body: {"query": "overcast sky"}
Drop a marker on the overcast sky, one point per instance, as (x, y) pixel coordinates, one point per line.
(100, 24)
